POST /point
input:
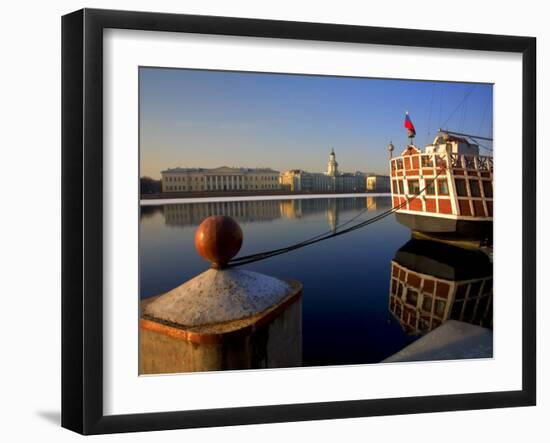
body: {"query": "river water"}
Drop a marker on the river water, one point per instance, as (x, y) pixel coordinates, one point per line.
(347, 317)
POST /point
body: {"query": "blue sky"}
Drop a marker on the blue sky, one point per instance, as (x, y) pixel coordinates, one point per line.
(196, 118)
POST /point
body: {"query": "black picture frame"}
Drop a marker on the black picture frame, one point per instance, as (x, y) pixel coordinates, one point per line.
(82, 218)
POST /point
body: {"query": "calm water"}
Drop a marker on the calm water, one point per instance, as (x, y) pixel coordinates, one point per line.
(345, 304)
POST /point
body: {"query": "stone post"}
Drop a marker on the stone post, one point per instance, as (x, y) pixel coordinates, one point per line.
(224, 318)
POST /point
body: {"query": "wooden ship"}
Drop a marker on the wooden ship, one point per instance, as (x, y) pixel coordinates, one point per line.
(454, 184)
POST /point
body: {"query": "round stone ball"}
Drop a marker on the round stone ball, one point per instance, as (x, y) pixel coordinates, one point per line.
(218, 239)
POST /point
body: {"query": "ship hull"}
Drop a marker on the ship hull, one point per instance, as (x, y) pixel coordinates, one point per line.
(475, 229)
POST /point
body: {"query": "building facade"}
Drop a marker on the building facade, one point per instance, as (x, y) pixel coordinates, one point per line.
(223, 179)
(297, 180)
(378, 183)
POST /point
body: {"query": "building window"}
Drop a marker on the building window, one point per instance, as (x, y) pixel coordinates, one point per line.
(461, 190)
(430, 187)
(442, 187)
(474, 188)
(414, 186)
(487, 189)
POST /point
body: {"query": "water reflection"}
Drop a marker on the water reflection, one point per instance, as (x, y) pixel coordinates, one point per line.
(349, 292)
(247, 211)
(433, 282)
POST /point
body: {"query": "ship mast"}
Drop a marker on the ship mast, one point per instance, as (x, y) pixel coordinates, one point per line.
(465, 135)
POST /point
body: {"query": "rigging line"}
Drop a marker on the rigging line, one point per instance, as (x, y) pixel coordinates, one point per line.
(464, 114)
(268, 254)
(247, 257)
(475, 140)
(306, 242)
(485, 147)
(459, 105)
(440, 102)
(484, 115)
(430, 114)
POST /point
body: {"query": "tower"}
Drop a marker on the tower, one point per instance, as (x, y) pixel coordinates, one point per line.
(332, 166)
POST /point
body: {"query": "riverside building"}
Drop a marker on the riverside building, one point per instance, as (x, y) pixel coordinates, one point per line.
(297, 180)
(223, 179)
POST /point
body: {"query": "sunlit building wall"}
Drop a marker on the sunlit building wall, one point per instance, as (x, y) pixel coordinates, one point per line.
(221, 179)
(378, 183)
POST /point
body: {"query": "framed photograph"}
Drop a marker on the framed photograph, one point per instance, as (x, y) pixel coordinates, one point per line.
(269, 221)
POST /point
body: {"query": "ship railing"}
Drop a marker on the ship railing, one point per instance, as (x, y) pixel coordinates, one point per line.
(472, 162)
(443, 160)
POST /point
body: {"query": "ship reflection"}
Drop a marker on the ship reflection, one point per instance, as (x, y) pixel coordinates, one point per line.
(433, 282)
(191, 214)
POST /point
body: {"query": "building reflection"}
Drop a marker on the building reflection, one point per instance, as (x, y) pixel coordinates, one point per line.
(191, 214)
(432, 282)
(147, 212)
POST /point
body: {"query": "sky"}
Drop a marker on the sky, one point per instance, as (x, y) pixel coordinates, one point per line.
(201, 118)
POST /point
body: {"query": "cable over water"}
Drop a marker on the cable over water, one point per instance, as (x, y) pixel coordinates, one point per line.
(239, 261)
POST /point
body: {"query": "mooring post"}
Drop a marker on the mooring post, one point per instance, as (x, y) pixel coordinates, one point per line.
(224, 318)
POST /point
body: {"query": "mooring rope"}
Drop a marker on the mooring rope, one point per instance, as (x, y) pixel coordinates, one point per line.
(239, 261)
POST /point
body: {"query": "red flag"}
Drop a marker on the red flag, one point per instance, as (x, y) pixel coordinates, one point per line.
(409, 125)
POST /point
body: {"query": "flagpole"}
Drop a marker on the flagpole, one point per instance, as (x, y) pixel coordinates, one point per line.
(410, 128)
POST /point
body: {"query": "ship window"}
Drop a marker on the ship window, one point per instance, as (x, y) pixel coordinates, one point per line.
(474, 188)
(394, 185)
(401, 187)
(481, 307)
(427, 161)
(414, 186)
(439, 308)
(469, 310)
(487, 189)
(461, 190)
(412, 297)
(427, 304)
(399, 290)
(430, 187)
(461, 291)
(457, 310)
(424, 325)
(442, 187)
(474, 289)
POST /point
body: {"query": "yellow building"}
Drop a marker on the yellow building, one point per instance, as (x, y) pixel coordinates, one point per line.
(297, 180)
(221, 179)
(378, 183)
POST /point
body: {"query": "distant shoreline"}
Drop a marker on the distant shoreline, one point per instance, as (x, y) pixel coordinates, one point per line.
(168, 199)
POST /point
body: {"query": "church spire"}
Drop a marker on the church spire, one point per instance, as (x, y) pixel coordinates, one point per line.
(332, 165)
